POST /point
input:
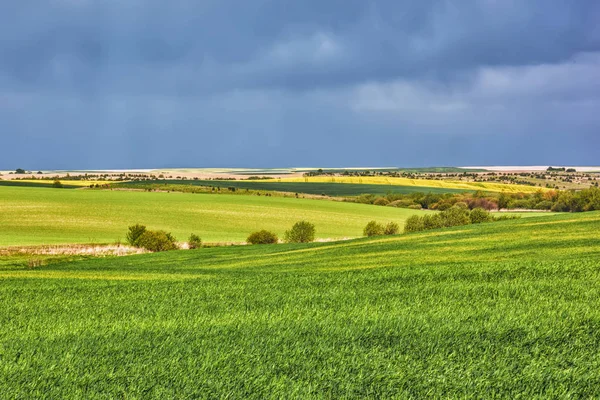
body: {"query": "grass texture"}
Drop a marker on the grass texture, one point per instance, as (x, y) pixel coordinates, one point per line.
(30, 216)
(501, 310)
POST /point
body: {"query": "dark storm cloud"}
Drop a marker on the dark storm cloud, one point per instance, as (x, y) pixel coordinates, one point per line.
(272, 83)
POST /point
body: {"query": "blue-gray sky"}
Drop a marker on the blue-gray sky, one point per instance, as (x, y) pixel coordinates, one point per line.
(276, 83)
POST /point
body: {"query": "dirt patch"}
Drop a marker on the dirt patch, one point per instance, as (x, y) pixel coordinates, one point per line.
(72, 250)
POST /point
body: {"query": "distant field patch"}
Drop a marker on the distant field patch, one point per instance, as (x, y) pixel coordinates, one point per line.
(440, 184)
(49, 183)
(316, 188)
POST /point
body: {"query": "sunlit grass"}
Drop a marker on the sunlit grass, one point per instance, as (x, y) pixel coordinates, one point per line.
(501, 310)
(31, 216)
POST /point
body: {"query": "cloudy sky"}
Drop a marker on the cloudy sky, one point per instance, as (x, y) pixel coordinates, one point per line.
(280, 83)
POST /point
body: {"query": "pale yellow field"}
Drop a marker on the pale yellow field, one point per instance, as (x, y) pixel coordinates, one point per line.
(68, 182)
(446, 184)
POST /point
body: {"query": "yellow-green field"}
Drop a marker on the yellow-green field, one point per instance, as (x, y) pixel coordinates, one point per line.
(446, 184)
(30, 216)
(70, 182)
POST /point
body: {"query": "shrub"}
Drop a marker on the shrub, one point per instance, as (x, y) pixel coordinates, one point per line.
(414, 207)
(381, 201)
(479, 215)
(365, 199)
(262, 237)
(404, 203)
(157, 241)
(455, 216)
(134, 233)
(520, 203)
(57, 184)
(441, 206)
(301, 232)
(414, 223)
(461, 205)
(432, 221)
(20, 171)
(194, 242)
(373, 229)
(544, 205)
(391, 229)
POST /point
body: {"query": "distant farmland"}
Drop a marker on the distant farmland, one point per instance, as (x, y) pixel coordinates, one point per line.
(422, 183)
(316, 188)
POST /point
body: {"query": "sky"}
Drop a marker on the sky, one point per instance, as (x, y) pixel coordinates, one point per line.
(98, 84)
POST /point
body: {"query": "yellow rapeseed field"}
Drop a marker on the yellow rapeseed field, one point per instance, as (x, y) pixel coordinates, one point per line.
(446, 184)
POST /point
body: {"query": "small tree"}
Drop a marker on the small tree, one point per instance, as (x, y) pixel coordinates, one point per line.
(134, 233)
(373, 229)
(414, 223)
(301, 232)
(20, 171)
(479, 215)
(381, 201)
(455, 216)
(391, 229)
(262, 237)
(57, 184)
(432, 221)
(503, 201)
(157, 241)
(194, 242)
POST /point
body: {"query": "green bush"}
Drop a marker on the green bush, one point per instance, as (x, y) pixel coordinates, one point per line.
(414, 223)
(373, 229)
(432, 221)
(134, 233)
(157, 241)
(381, 201)
(544, 205)
(57, 184)
(301, 232)
(391, 228)
(455, 216)
(461, 205)
(479, 215)
(262, 237)
(194, 242)
(404, 203)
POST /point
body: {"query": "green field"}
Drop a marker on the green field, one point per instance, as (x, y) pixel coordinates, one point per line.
(318, 188)
(36, 183)
(508, 309)
(30, 216)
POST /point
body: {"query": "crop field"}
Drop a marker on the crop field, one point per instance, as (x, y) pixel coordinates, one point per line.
(429, 183)
(48, 183)
(30, 216)
(316, 188)
(508, 309)
(40, 183)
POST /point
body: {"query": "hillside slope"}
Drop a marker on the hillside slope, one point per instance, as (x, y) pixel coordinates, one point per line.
(30, 216)
(506, 309)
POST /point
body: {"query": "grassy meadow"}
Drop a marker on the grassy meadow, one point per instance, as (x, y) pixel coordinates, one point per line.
(422, 183)
(30, 216)
(501, 310)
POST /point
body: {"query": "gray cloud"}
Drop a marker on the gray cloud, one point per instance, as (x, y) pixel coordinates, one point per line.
(92, 84)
